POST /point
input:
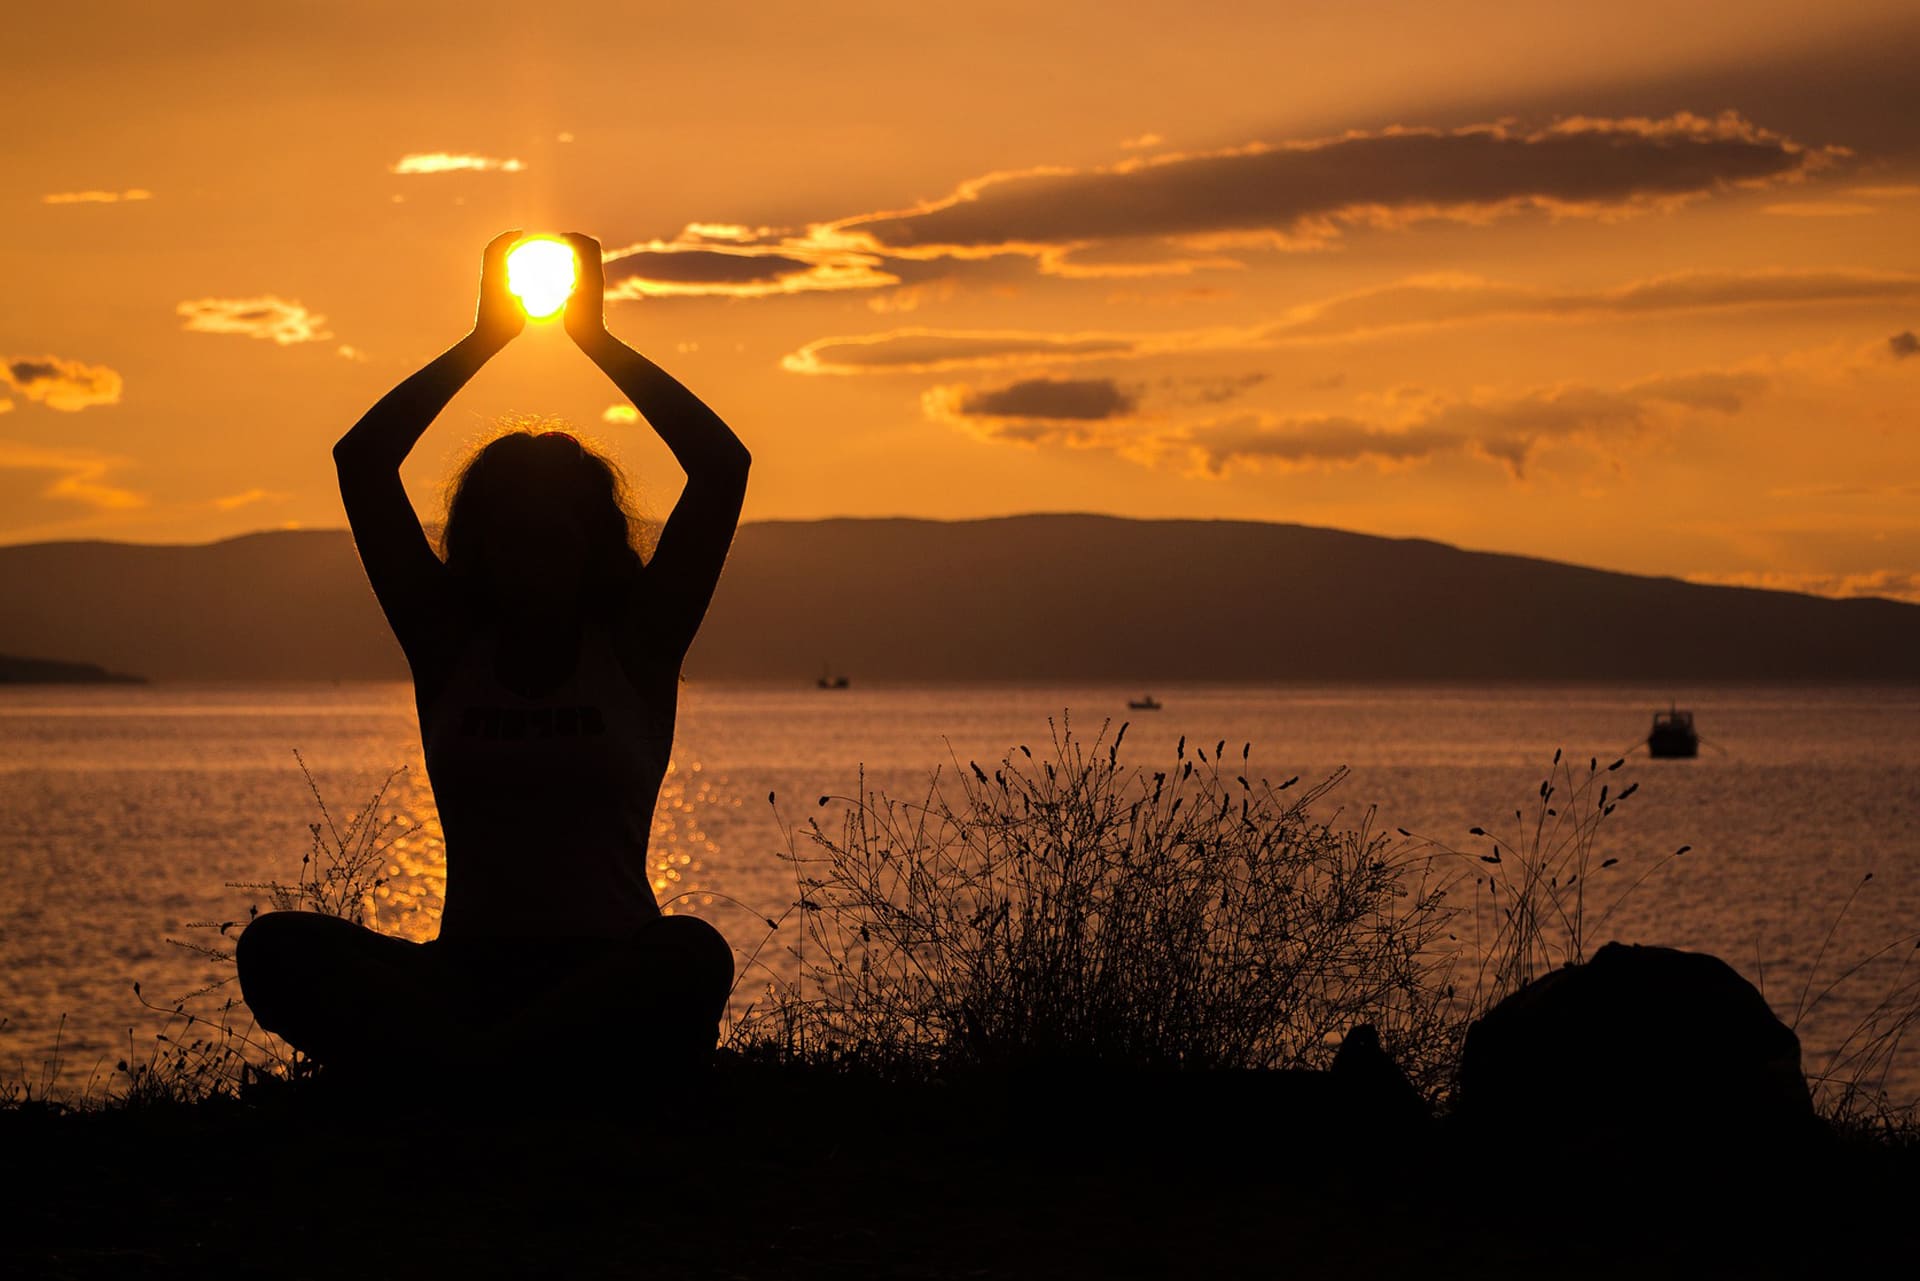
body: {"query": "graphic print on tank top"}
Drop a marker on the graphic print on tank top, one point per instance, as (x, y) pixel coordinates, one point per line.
(545, 802)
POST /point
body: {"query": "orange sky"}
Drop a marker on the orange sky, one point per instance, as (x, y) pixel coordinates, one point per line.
(1637, 288)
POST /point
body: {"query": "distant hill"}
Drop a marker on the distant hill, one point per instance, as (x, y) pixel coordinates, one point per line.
(51, 671)
(1024, 597)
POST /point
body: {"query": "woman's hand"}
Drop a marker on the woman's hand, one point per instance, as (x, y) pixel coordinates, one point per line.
(586, 315)
(498, 319)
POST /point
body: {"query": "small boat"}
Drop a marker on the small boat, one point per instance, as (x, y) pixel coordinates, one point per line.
(1145, 703)
(1673, 734)
(829, 681)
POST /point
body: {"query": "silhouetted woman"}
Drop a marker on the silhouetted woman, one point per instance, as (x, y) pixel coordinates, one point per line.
(546, 660)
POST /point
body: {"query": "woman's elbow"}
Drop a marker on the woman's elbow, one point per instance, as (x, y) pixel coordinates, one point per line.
(350, 455)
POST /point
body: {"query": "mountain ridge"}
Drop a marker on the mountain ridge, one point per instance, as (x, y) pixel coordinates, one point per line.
(1055, 595)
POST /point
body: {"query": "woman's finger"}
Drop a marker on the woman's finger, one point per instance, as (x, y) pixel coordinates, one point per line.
(587, 250)
(498, 246)
(586, 309)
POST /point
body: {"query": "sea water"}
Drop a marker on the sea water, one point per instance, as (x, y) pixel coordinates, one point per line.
(133, 819)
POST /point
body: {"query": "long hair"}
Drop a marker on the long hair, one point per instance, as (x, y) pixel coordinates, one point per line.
(537, 458)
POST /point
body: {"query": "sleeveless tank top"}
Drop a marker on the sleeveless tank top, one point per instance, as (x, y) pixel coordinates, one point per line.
(545, 803)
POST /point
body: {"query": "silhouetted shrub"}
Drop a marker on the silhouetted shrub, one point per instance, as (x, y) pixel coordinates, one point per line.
(1529, 912)
(1068, 907)
(204, 1049)
(1850, 1084)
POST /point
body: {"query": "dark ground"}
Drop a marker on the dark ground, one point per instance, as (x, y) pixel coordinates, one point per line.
(766, 1173)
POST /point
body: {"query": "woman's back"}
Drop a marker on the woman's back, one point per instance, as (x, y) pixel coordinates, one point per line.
(546, 798)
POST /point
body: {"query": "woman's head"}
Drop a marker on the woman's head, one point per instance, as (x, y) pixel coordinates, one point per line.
(537, 520)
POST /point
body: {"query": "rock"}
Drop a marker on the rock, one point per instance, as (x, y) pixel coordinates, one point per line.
(1640, 1047)
(1373, 1084)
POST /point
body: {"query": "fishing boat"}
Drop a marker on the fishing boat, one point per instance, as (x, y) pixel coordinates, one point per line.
(1673, 734)
(1145, 703)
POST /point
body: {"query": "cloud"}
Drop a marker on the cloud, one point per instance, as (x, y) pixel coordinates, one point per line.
(671, 265)
(1214, 391)
(1723, 391)
(1892, 584)
(96, 197)
(724, 260)
(429, 162)
(1820, 208)
(66, 385)
(1845, 491)
(929, 350)
(1128, 260)
(1265, 442)
(1904, 344)
(1509, 429)
(248, 497)
(1446, 300)
(268, 317)
(1703, 290)
(1037, 410)
(912, 297)
(1142, 141)
(65, 476)
(1306, 194)
(1506, 428)
(1419, 303)
(1056, 399)
(1177, 213)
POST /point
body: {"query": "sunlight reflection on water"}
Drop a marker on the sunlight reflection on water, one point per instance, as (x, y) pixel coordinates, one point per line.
(409, 900)
(126, 812)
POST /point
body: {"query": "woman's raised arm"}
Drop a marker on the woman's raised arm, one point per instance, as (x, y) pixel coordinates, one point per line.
(409, 581)
(694, 541)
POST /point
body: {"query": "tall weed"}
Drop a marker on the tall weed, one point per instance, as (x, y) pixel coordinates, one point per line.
(1068, 907)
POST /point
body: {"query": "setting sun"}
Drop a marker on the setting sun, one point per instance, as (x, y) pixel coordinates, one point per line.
(540, 273)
